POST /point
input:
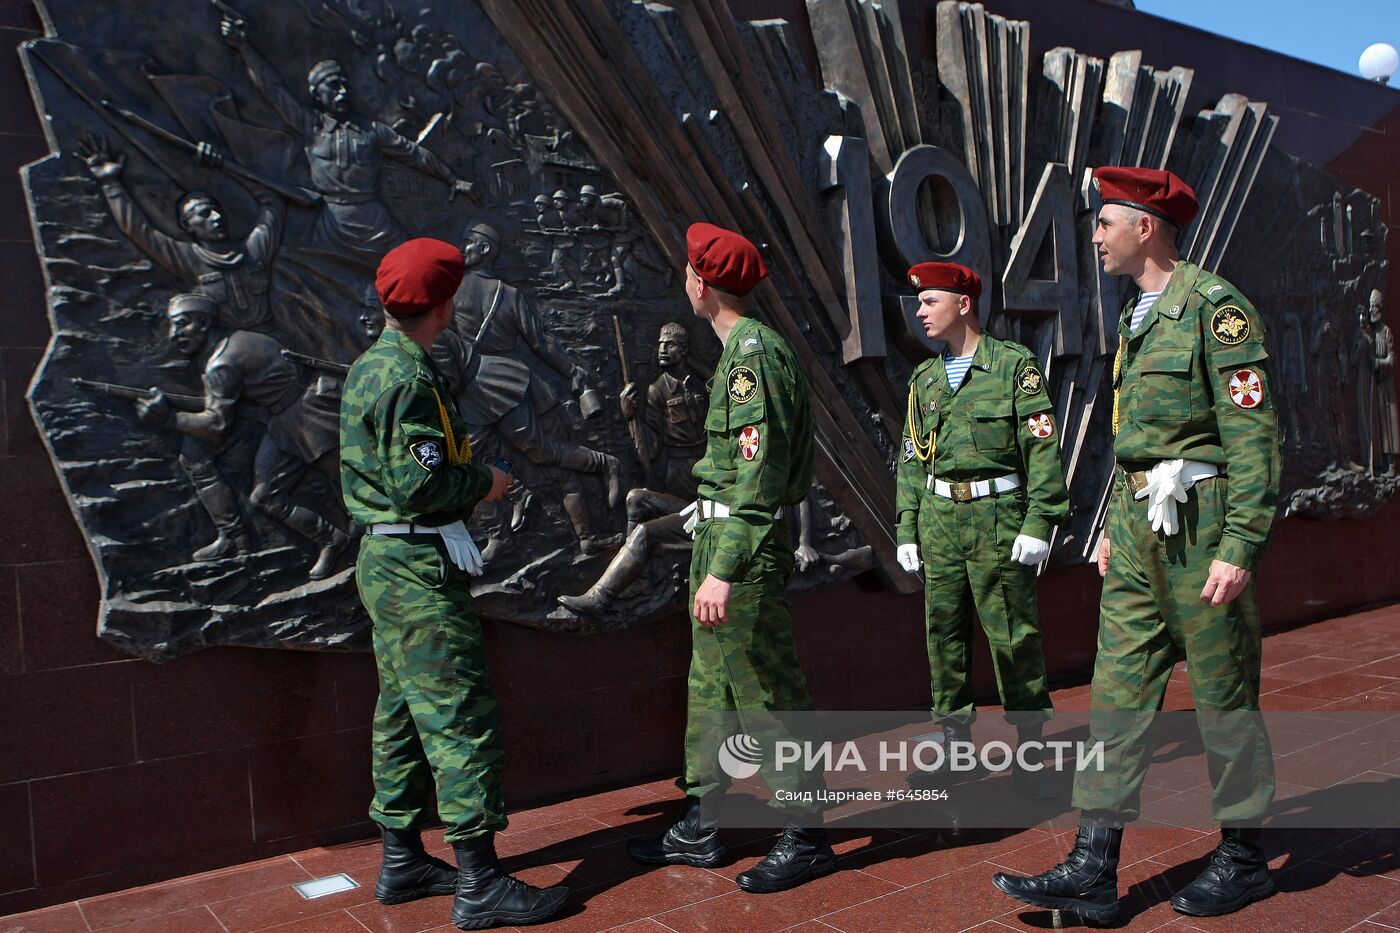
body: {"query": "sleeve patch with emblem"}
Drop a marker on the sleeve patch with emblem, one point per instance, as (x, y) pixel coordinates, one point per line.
(908, 449)
(1030, 380)
(427, 453)
(749, 442)
(1230, 326)
(1246, 389)
(743, 384)
(1040, 425)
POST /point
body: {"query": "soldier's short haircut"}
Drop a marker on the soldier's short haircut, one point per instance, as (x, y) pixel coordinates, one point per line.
(675, 331)
(193, 302)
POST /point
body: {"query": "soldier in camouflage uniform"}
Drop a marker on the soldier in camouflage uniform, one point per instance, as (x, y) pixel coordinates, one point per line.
(1182, 540)
(407, 476)
(744, 672)
(979, 488)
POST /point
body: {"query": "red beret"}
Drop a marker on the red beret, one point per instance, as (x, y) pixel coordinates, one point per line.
(419, 275)
(948, 276)
(723, 258)
(1154, 190)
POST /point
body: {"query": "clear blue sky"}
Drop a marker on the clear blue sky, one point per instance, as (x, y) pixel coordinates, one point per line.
(1329, 32)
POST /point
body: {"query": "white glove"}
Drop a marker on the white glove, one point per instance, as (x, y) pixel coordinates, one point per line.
(1029, 550)
(461, 548)
(908, 557)
(1164, 490)
(693, 511)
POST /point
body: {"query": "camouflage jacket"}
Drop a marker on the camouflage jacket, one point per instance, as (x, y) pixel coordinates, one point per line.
(758, 441)
(1193, 382)
(999, 421)
(404, 454)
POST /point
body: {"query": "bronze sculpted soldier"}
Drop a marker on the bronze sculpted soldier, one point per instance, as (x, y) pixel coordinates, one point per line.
(503, 401)
(1388, 425)
(343, 151)
(671, 438)
(246, 367)
(235, 278)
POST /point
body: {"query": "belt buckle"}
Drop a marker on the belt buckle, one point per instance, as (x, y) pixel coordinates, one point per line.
(960, 492)
(1136, 481)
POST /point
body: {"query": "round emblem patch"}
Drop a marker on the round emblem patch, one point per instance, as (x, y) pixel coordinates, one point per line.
(1030, 380)
(748, 442)
(1246, 389)
(743, 384)
(1040, 425)
(1230, 326)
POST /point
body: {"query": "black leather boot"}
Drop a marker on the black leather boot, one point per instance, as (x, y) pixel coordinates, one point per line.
(408, 873)
(1086, 882)
(801, 855)
(692, 840)
(954, 730)
(1237, 874)
(488, 897)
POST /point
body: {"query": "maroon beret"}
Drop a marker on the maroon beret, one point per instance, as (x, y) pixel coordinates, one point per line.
(1154, 190)
(723, 258)
(419, 275)
(947, 276)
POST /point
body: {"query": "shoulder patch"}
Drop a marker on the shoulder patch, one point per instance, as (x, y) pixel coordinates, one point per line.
(1030, 380)
(1230, 326)
(749, 442)
(908, 449)
(427, 453)
(1246, 389)
(743, 384)
(1040, 426)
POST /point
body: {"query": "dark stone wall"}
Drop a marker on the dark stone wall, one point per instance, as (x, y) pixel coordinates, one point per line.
(116, 772)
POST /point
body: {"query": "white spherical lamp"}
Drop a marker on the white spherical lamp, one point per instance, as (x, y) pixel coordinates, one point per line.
(1379, 62)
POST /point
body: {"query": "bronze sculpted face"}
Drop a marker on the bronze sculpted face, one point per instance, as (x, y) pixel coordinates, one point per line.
(1374, 302)
(332, 94)
(672, 349)
(189, 329)
(476, 249)
(203, 219)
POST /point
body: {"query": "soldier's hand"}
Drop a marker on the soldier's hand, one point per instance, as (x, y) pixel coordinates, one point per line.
(1103, 557)
(92, 149)
(805, 557)
(1226, 581)
(466, 189)
(908, 557)
(234, 30)
(627, 401)
(154, 408)
(712, 601)
(500, 479)
(1029, 551)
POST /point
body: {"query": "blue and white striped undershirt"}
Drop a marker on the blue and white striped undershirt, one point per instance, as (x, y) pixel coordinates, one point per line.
(1144, 304)
(956, 367)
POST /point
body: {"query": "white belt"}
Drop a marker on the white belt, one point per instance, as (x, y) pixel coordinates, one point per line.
(706, 510)
(403, 528)
(977, 489)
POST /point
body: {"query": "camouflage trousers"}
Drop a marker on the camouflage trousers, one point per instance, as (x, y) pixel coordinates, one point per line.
(435, 727)
(968, 570)
(1150, 617)
(744, 675)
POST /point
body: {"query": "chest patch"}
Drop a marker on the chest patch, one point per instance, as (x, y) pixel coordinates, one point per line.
(1030, 380)
(749, 442)
(1230, 326)
(428, 454)
(743, 384)
(1246, 389)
